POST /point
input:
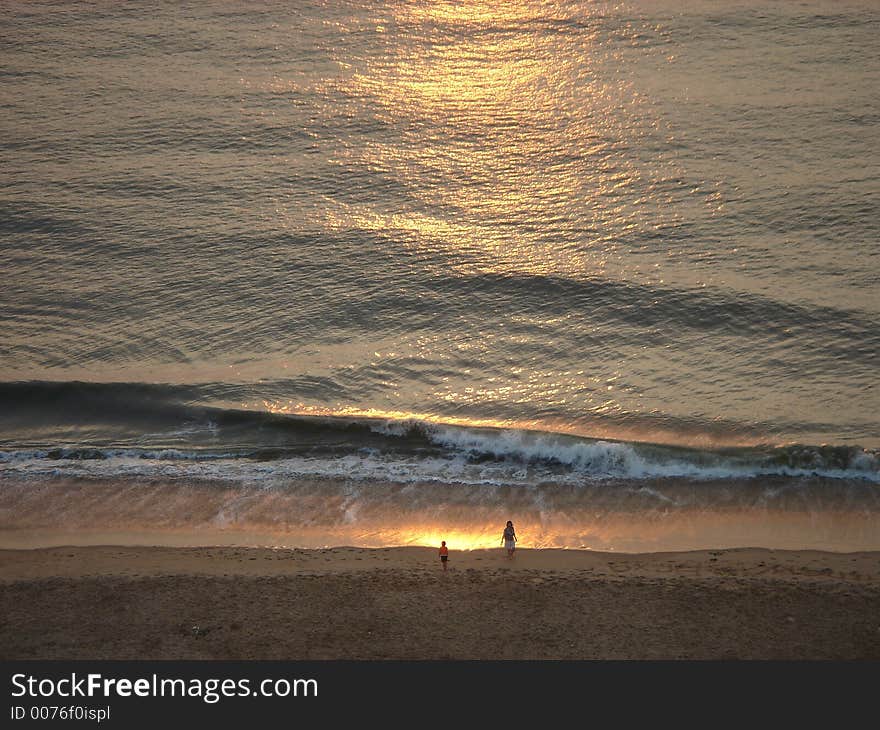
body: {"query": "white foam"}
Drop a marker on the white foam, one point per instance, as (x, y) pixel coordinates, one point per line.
(470, 456)
(612, 459)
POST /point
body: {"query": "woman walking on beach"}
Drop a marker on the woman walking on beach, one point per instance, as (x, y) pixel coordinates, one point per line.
(508, 539)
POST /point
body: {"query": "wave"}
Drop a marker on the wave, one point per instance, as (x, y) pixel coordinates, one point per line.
(409, 451)
(47, 425)
(635, 461)
(851, 334)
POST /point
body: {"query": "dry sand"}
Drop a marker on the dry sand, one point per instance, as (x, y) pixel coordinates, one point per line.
(396, 603)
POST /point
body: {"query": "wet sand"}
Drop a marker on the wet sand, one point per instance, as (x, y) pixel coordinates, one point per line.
(396, 603)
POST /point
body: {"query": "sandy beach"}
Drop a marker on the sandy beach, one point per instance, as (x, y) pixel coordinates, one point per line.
(396, 603)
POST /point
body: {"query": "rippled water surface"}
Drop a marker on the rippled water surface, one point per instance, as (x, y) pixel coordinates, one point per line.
(644, 222)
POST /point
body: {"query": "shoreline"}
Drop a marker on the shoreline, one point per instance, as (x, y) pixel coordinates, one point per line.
(77, 561)
(637, 517)
(117, 602)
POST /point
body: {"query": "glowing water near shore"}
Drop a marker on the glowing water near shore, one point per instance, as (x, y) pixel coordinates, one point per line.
(308, 512)
(608, 269)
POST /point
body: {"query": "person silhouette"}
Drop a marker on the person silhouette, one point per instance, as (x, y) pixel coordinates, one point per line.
(508, 539)
(444, 554)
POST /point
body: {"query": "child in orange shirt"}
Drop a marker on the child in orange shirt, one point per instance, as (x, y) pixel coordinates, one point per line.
(444, 553)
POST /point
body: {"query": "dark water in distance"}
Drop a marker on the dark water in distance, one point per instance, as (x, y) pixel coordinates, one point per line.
(529, 242)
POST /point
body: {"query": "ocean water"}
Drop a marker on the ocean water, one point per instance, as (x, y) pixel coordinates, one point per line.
(374, 273)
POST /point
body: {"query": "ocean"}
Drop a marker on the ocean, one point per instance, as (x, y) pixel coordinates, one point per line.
(386, 273)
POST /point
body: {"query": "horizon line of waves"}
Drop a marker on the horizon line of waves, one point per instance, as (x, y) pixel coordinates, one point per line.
(462, 455)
